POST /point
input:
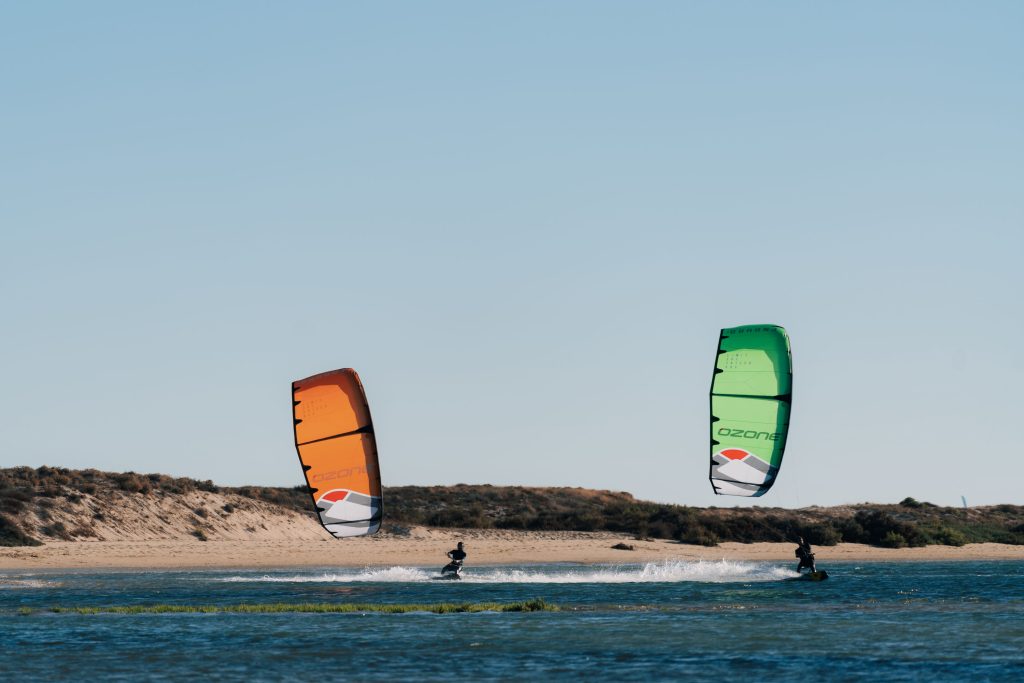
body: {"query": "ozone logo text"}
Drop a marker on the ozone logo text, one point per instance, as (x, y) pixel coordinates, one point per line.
(749, 434)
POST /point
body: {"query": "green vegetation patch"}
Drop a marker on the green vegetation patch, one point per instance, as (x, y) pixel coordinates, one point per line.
(535, 605)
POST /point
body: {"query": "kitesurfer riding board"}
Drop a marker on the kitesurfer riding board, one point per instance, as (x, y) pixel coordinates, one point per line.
(805, 555)
(453, 569)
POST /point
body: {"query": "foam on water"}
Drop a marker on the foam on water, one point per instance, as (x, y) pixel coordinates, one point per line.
(11, 582)
(670, 571)
(382, 575)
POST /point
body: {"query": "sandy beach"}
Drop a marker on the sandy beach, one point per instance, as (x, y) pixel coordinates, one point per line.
(426, 547)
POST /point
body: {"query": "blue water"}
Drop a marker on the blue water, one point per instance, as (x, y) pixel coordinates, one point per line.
(870, 621)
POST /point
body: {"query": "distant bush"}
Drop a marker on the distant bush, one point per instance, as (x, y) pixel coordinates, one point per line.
(13, 500)
(57, 530)
(513, 522)
(586, 520)
(295, 498)
(875, 527)
(11, 533)
(892, 540)
(821, 534)
(698, 536)
(132, 482)
(83, 531)
(465, 518)
(945, 535)
(911, 503)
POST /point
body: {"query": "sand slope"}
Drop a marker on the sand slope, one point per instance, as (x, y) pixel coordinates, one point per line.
(113, 528)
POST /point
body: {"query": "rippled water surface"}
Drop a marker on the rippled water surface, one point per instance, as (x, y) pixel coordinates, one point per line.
(921, 621)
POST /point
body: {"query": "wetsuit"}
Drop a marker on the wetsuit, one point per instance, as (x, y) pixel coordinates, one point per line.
(806, 557)
(457, 557)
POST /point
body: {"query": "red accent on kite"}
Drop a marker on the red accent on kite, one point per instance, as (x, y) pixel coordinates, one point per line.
(735, 453)
(335, 495)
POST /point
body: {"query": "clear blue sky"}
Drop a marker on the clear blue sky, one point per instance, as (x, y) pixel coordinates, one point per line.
(524, 225)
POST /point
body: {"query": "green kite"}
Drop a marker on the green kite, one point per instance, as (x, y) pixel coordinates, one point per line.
(751, 393)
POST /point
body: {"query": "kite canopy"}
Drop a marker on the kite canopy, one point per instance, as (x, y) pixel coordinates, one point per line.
(750, 402)
(338, 451)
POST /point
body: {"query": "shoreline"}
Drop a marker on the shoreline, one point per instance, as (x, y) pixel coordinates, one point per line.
(425, 547)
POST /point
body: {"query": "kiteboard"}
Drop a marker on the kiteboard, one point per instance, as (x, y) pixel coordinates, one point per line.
(812, 576)
(448, 577)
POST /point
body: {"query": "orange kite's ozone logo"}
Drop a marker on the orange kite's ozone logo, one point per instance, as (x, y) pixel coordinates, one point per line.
(341, 505)
(741, 466)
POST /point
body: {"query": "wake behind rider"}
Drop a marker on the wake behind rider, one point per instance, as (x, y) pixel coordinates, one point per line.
(806, 556)
(457, 556)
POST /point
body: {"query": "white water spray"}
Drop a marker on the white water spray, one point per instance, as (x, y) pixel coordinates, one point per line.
(670, 571)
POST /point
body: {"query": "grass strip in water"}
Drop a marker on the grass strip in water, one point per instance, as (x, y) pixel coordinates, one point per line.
(535, 605)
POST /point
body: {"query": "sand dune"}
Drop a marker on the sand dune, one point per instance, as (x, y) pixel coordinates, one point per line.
(102, 525)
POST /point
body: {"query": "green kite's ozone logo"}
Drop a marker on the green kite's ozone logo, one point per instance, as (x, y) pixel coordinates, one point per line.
(749, 434)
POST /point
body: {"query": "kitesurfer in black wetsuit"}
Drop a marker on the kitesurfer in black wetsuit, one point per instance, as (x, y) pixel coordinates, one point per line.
(806, 556)
(457, 556)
